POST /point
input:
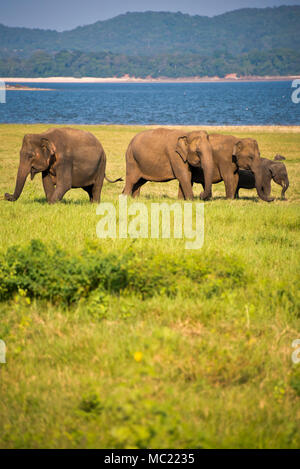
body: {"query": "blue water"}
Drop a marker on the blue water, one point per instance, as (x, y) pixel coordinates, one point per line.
(156, 103)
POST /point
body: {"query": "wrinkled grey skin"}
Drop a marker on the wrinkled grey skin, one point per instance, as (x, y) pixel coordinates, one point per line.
(67, 158)
(162, 155)
(270, 170)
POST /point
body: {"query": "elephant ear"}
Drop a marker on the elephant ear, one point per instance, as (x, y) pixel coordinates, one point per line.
(276, 169)
(182, 148)
(272, 171)
(237, 148)
(48, 147)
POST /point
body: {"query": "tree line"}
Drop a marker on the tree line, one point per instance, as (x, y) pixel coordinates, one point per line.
(106, 64)
(140, 34)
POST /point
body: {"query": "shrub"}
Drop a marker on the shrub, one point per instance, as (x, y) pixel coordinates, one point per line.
(50, 273)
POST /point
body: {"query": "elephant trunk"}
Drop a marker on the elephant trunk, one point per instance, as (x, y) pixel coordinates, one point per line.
(23, 172)
(208, 167)
(259, 185)
(285, 187)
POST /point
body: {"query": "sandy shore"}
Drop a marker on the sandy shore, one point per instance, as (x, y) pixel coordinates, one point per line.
(25, 88)
(209, 128)
(126, 79)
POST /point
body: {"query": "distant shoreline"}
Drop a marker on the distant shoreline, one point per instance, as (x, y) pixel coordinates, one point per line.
(275, 128)
(126, 79)
(18, 87)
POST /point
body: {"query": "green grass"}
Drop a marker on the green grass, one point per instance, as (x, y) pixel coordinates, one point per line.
(141, 343)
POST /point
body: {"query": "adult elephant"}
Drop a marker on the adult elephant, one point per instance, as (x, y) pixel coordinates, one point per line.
(229, 155)
(270, 170)
(67, 158)
(162, 155)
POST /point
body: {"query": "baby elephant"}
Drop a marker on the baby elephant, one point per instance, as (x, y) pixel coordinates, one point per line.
(67, 158)
(271, 170)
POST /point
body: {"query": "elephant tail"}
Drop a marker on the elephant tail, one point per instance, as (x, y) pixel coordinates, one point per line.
(115, 180)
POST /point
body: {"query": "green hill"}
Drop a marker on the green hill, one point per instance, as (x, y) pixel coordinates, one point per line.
(247, 42)
(148, 33)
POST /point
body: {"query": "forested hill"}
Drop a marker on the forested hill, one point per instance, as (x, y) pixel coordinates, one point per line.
(105, 64)
(246, 42)
(151, 33)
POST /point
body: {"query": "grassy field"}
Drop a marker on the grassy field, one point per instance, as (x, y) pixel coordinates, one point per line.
(142, 343)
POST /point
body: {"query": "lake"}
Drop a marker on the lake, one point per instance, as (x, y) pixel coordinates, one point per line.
(243, 103)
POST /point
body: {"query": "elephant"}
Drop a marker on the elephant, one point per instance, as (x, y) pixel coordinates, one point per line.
(279, 157)
(271, 170)
(162, 155)
(229, 155)
(67, 158)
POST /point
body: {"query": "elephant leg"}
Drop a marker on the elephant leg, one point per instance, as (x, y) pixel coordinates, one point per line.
(58, 194)
(129, 185)
(131, 182)
(284, 188)
(63, 183)
(183, 174)
(136, 193)
(231, 180)
(48, 185)
(97, 187)
(133, 173)
(180, 193)
(185, 183)
(186, 187)
(137, 187)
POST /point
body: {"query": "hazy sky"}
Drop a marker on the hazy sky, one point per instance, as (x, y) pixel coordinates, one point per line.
(67, 14)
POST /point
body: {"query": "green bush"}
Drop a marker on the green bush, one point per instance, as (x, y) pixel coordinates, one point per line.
(50, 273)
